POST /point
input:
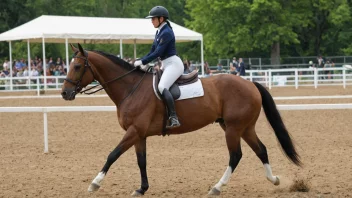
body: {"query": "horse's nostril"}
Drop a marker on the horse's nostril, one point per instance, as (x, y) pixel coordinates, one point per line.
(64, 93)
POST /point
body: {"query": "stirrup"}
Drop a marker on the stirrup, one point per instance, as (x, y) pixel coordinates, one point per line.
(173, 123)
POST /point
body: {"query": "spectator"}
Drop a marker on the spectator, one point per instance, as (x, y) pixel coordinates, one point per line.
(50, 62)
(19, 73)
(5, 72)
(59, 62)
(233, 70)
(62, 71)
(40, 64)
(56, 71)
(241, 68)
(33, 63)
(25, 72)
(207, 71)
(34, 73)
(321, 62)
(219, 67)
(235, 63)
(6, 64)
(18, 65)
(328, 72)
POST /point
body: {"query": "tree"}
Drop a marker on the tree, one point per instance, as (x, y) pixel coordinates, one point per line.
(238, 26)
(329, 22)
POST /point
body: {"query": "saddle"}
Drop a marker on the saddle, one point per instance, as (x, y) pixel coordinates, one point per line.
(182, 80)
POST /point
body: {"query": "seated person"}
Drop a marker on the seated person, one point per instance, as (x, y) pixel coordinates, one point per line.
(219, 67)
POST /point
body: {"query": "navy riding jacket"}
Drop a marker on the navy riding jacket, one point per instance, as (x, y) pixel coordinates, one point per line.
(163, 45)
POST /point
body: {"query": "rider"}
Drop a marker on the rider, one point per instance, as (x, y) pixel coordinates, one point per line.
(164, 48)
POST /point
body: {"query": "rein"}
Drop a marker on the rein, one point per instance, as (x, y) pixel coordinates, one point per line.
(86, 65)
(117, 78)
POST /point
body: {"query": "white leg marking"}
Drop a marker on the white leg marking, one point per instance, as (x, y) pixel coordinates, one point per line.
(96, 183)
(224, 179)
(269, 175)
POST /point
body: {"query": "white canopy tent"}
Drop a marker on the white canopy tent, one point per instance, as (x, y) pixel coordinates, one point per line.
(68, 29)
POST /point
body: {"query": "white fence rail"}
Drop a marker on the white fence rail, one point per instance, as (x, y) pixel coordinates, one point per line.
(271, 78)
(300, 77)
(45, 110)
(104, 95)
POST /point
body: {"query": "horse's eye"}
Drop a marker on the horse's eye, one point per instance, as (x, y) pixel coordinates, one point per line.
(77, 67)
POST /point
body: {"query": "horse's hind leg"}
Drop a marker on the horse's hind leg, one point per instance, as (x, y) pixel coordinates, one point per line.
(260, 150)
(233, 140)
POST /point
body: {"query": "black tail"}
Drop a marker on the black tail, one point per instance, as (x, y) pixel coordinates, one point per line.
(274, 118)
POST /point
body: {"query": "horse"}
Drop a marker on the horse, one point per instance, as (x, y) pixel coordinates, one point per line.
(233, 102)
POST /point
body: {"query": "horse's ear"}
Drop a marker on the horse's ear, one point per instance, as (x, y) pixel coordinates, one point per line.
(74, 49)
(84, 53)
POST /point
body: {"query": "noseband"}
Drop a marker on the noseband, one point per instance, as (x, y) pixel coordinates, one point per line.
(77, 83)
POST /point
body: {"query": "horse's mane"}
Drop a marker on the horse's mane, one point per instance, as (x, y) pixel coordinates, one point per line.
(115, 59)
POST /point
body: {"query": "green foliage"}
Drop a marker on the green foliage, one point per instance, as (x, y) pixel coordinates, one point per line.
(247, 28)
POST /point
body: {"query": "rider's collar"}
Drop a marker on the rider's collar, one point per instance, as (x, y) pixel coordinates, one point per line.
(161, 26)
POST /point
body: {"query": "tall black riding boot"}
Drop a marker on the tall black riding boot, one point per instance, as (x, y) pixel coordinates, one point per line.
(169, 102)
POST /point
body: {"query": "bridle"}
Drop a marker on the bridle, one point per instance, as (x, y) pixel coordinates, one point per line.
(77, 83)
(78, 86)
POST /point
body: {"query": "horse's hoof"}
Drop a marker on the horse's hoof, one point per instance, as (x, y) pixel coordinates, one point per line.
(93, 187)
(136, 194)
(214, 191)
(277, 182)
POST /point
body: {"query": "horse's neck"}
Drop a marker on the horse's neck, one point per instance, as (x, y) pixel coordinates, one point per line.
(117, 89)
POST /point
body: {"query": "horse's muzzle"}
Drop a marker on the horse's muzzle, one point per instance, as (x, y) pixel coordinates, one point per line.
(68, 95)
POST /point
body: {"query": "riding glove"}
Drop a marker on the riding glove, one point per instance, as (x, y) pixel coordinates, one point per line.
(137, 63)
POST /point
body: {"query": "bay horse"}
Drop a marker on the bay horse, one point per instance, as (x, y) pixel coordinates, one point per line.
(228, 99)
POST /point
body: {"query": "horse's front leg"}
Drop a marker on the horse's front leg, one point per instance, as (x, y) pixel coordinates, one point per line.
(130, 138)
(141, 152)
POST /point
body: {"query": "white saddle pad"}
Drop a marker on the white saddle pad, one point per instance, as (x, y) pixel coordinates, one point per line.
(193, 90)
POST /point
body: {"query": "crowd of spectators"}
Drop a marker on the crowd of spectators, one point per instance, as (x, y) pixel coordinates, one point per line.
(21, 68)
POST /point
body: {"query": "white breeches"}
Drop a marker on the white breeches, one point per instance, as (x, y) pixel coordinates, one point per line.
(173, 69)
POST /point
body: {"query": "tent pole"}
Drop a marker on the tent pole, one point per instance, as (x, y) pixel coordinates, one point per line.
(202, 55)
(10, 64)
(67, 62)
(29, 57)
(135, 51)
(44, 62)
(121, 53)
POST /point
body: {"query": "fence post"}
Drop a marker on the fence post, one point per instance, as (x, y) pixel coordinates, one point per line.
(315, 77)
(296, 78)
(266, 78)
(260, 63)
(250, 76)
(344, 78)
(269, 78)
(38, 87)
(46, 145)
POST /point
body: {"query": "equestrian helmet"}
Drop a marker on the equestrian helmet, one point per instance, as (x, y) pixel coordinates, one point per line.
(158, 11)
